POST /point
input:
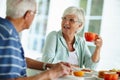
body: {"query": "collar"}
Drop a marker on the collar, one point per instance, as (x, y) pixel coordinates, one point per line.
(77, 37)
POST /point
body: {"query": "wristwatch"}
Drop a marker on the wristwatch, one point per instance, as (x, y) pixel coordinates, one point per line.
(44, 66)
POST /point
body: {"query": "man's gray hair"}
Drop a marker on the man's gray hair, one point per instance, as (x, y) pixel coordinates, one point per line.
(17, 8)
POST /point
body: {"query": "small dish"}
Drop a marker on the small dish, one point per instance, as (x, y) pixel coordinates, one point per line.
(88, 74)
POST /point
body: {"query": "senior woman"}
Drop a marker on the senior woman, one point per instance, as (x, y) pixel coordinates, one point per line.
(67, 45)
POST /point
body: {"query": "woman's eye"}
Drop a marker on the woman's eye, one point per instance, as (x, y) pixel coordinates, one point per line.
(72, 20)
(63, 18)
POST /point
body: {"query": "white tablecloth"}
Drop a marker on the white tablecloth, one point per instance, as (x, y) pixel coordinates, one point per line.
(78, 78)
(31, 72)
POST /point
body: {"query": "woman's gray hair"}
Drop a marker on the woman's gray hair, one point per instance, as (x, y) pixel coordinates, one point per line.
(79, 12)
(17, 8)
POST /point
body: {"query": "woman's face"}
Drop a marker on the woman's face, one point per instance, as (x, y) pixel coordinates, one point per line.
(70, 24)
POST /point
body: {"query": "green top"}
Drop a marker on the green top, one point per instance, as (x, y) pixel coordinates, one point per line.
(55, 50)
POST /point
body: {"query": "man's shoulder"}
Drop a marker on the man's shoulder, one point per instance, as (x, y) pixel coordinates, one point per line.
(3, 21)
(4, 24)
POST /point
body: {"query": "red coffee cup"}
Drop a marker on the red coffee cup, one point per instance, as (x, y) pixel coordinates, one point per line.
(110, 76)
(90, 36)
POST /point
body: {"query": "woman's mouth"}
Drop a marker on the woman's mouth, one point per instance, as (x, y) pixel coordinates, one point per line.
(66, 27)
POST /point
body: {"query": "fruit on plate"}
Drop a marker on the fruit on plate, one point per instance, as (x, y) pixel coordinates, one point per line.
(78, 73)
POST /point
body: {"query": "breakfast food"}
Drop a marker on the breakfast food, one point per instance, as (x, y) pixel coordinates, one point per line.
(86, 70)
(78, 73)
(112, 72)
(118, 72)
(101, 73)
(115, 70)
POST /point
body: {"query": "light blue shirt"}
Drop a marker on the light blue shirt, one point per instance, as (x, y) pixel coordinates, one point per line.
(55, 50)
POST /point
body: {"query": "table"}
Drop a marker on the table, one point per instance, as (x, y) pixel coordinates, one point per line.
(78, 78)
(31, 72)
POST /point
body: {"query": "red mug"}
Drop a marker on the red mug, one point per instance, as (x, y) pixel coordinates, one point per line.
(110, 76)
(90, 36)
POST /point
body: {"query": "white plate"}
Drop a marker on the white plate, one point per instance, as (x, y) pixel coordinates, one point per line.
(87, 74)
(71, 77)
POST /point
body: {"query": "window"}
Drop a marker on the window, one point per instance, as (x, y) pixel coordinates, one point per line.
(93, 10)
(36, 34)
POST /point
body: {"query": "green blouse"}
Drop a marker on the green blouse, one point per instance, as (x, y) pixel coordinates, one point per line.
(55, 50)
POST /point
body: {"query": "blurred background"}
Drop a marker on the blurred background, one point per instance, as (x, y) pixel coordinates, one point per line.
(102, 17)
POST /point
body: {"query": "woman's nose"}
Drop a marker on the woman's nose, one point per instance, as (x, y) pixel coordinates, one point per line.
(67, 21)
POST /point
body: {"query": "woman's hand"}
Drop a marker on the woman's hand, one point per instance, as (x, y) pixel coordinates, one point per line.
(96, 55)
(98, 42)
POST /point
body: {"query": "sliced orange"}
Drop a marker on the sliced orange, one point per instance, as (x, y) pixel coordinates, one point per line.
(78, 73)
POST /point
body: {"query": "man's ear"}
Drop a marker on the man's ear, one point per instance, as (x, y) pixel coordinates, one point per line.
(27, 15)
